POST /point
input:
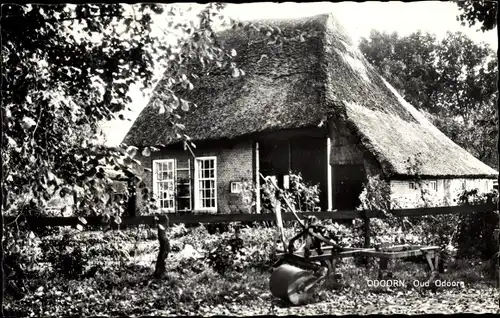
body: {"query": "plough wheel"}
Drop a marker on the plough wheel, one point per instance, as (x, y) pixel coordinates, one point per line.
(290, 283)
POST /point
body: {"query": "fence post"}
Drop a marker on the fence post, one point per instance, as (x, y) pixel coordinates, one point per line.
(367, 232)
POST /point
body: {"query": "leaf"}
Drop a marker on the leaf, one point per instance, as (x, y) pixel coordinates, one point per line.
(106, 218)
(117, 220)
(236, 72)
(161, 111)
(11, 142)
(132, 151)
(185, 105)
(28, 123)
(79, 227)
(82, 220)
(146, 152)
(233, 52)
(50, 175)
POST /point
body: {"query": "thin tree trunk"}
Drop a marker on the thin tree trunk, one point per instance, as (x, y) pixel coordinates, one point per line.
(161, 269)
(2, 276)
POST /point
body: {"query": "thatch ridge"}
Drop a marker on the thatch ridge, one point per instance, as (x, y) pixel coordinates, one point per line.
(301, 84)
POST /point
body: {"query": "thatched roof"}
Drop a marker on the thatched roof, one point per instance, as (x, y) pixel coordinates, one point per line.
(301, 84)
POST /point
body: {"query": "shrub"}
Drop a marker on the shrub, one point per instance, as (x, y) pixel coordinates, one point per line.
(427, 230)
(67, 256)
(476, 230)
(303, 196)
(223, 257)
(376, 195)
(21, 253)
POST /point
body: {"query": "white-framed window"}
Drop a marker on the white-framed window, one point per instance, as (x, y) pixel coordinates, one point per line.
(412, 186)
(205, 184)
(236, 187)
(464, 185)
(164, 183)
(433, 185)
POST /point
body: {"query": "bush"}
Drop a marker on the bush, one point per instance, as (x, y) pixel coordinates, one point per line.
(476, 230)
(21, 254)
(303, 196)
(223, 257)
(67, 256)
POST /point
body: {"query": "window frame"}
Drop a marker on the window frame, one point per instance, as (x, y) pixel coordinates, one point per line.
(155, 184)
(412, 185)
(236, 187)
(197, 199)
(433, 185)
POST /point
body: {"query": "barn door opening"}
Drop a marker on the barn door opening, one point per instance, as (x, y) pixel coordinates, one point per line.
(347, 182)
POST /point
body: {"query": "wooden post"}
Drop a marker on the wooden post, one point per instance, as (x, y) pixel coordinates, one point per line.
(329, 174)
(289, 155)
(365, 260)
(279, 223)
(132, 200)
(367, 232)
(383, 266)
(257, 178)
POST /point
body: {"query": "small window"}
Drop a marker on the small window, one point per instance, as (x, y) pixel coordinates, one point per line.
(412, 186)
(464, 186)
(433, 185)
(235, 187)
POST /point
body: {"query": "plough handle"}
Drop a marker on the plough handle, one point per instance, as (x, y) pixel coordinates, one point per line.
(290, 207)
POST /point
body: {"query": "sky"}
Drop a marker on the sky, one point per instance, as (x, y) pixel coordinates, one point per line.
(357, 18)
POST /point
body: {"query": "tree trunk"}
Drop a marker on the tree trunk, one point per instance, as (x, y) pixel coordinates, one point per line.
(160, 269)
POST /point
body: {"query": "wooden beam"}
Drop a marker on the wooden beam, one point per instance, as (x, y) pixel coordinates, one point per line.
(289, 156)
(200, 217)
(257, 178)
(329, 174)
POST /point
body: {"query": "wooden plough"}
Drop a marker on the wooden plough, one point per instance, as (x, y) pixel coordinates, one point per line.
(298, 272)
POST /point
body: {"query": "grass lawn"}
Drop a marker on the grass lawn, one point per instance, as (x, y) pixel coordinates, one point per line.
(118, 281)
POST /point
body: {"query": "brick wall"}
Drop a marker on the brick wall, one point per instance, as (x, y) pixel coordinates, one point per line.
(234, 162)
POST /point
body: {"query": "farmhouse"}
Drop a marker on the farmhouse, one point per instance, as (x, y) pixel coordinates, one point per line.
(314, 106)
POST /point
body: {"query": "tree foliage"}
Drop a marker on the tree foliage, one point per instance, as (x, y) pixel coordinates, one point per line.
(452, 80)
(482, 12)
(65, 68)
